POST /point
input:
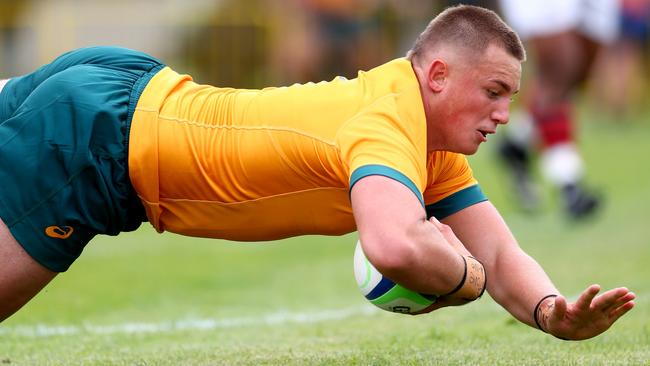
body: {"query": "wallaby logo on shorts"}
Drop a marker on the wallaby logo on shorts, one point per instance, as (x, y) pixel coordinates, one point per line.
(59, 232)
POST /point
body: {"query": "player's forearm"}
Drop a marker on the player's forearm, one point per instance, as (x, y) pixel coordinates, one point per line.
(515, 280)
(518, 283)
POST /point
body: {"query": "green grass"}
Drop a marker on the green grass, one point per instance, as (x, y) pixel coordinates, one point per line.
(209, 302)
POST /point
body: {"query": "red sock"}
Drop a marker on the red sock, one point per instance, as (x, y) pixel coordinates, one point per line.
(554, 123)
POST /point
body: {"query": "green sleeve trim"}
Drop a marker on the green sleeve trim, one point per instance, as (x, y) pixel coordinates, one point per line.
(456, 202)
(385, 171)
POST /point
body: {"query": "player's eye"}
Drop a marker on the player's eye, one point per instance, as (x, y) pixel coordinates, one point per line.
(492, 93)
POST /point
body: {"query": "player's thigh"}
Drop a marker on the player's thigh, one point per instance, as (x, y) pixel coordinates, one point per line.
(558, 57)
(21, 277)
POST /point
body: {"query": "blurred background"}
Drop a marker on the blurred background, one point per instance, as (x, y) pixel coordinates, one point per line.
(240, 43)
(256, 43)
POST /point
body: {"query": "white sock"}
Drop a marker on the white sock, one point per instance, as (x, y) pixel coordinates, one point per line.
(561, 164)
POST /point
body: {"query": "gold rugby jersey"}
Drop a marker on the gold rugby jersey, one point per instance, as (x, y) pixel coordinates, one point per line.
(277, 162)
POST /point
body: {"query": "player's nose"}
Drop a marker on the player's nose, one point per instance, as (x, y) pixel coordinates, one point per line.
(501, 115)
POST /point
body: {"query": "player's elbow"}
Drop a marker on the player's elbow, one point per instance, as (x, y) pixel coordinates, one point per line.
(395, 258)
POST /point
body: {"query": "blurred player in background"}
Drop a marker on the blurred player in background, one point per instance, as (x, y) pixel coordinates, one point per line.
(621, 83)
(105, 138)
(340, 37)
(331, 38)
(564, 37)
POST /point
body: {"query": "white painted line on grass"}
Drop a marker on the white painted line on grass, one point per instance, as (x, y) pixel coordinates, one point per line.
(279, 318)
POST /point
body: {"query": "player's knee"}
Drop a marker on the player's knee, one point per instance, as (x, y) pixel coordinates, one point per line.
(472, 284)
(21, 276)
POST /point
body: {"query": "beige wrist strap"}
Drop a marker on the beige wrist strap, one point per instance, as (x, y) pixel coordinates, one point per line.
(473, 283)
(543, 311)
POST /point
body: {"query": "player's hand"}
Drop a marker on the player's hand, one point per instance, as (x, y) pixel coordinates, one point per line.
(441, 302)
(589, 316)
(450, 237)
(454, 242)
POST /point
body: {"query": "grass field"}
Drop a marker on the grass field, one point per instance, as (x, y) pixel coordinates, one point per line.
(149, 299)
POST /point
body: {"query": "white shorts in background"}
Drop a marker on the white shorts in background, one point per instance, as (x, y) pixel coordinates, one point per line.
(596, 19)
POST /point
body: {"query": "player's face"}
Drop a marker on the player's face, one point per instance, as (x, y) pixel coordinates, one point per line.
(478, 99)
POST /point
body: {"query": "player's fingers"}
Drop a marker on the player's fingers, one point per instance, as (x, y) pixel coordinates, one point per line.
(585, 299)
(452, 239)
(612, 299)
(620, 311)
(628, 297)
(435, 222)
(440, 303)
(445, 230)
(621, 300)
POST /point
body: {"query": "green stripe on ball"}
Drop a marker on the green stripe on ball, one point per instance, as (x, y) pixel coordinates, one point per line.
(399, 292)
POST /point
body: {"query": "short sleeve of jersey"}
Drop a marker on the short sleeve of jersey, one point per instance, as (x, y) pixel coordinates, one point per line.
(378, 142)
(451, 185)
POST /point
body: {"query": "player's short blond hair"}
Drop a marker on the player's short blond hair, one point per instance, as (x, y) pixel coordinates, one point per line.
(468, 27)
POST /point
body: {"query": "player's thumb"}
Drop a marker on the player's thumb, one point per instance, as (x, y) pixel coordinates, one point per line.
(559, 310)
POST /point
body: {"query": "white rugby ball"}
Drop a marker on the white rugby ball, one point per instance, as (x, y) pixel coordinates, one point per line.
(384, 293)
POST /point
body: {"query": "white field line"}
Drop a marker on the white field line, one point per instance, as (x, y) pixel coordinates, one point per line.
(279, 318)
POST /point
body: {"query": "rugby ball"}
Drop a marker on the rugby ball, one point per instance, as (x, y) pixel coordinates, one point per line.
(384, 293)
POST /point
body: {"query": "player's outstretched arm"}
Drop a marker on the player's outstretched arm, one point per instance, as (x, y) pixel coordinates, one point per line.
(589, 316)
(21, 277)
(519, 284)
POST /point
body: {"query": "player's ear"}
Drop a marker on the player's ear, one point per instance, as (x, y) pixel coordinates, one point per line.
(437, 75)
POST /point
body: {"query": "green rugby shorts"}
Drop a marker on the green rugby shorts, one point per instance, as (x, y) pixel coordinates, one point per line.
(63, 151)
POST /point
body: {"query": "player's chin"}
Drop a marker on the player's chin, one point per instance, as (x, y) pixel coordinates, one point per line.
(466, 146)
(469, 148)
